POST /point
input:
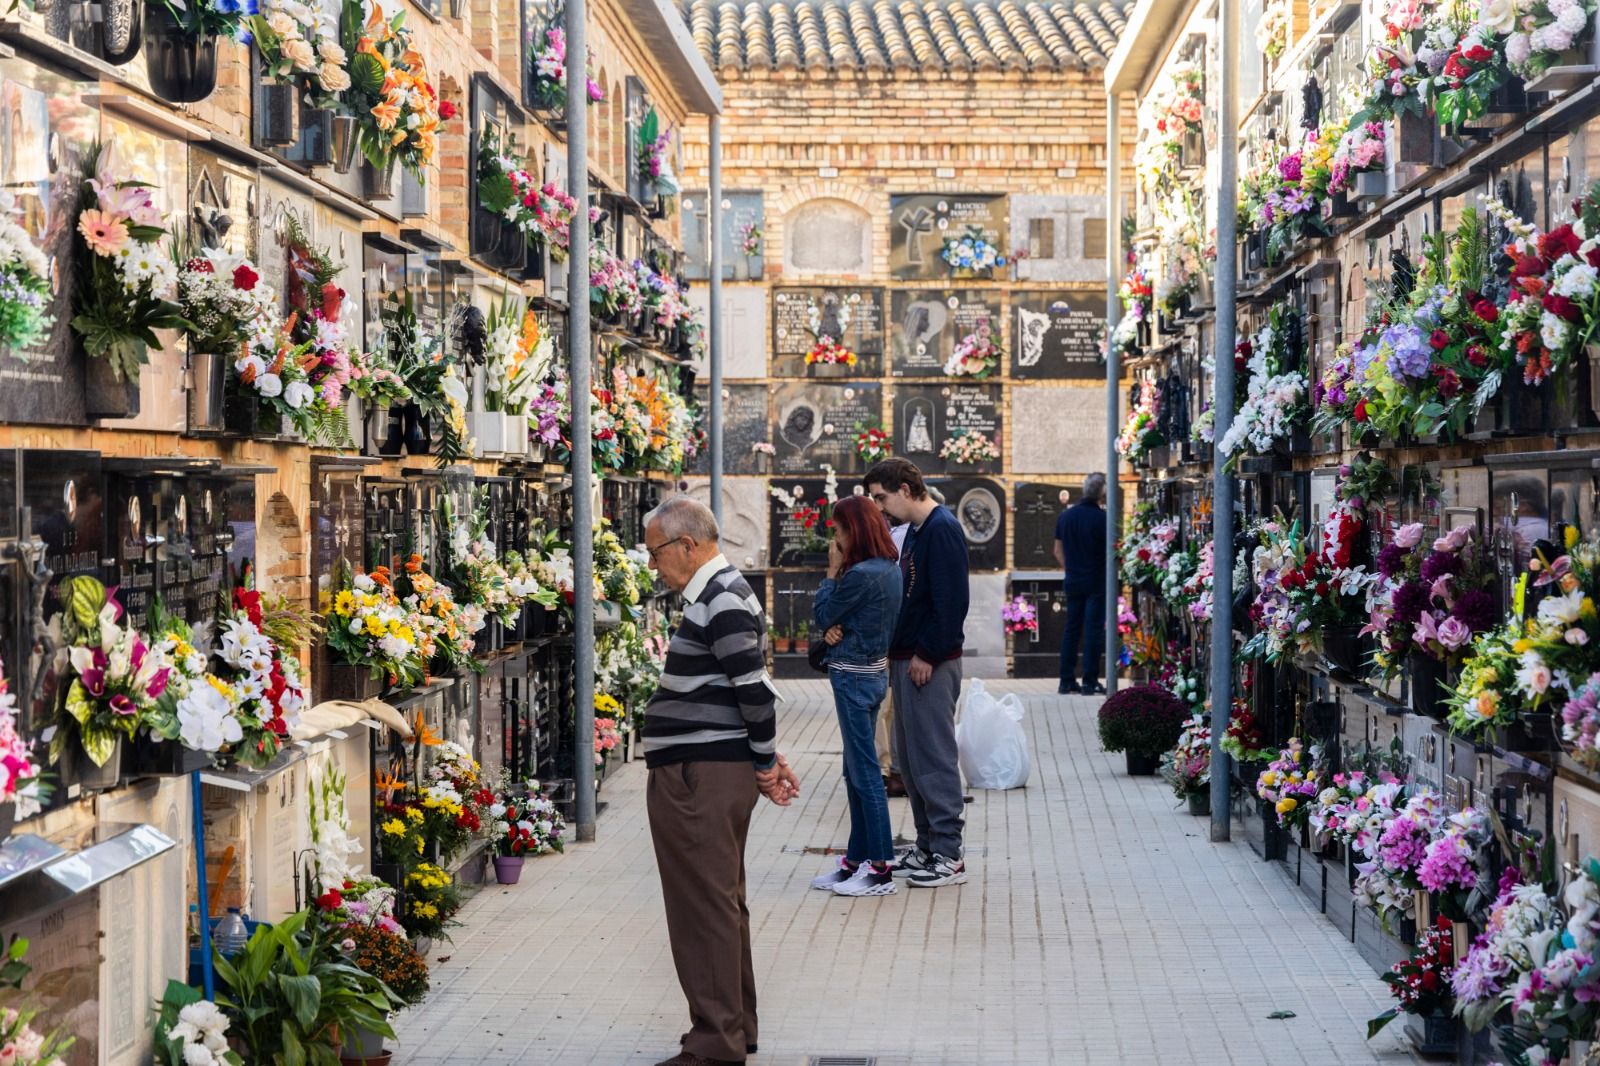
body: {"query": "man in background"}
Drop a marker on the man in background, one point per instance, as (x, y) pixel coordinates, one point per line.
(1081, 552)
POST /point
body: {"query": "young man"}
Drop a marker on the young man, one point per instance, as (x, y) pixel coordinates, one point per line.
(1081, 553)
(925, 669)
(710, 746)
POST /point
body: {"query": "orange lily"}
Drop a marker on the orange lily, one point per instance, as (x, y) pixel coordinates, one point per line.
(414, 563)
(387, 115)
(381, 575)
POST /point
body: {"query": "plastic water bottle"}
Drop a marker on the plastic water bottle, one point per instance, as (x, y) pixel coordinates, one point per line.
(231, 935)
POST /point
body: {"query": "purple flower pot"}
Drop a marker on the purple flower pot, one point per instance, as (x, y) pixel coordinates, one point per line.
(507, 869)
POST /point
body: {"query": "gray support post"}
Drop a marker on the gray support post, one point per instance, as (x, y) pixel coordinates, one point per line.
(1113, 500)
(1227, 283)
(714, 227)
(581, 341)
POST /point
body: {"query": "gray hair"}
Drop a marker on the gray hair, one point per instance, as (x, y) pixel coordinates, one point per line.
(1094, 486)
(684, 516)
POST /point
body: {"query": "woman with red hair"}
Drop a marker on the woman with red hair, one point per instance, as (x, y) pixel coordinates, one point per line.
(861, 598)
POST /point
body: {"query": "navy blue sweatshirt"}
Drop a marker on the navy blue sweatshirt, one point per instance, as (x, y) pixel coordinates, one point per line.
(1081, 529)
(933, 611)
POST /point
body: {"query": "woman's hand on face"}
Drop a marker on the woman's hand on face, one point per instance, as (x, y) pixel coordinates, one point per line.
(834, 635)
(835, 558)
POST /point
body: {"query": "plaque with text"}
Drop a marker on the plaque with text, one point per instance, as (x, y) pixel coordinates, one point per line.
(1057, 335)
(920, 224)
(926, 417)
(1038, 507)
(798, 533)
(744, 424)
(927, 324)
(743, 241)
(853, 317)
(816, 423)
(980, 506)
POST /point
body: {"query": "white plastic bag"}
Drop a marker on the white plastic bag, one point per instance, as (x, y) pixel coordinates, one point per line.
(992, 744)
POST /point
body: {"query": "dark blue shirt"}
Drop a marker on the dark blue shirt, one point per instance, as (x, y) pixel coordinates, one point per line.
(1081, 529)
(933, 612)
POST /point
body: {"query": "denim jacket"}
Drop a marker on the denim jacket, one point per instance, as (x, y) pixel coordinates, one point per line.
(866, 602)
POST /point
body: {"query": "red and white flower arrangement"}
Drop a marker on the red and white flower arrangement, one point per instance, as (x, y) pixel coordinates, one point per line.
(977, 355)
(1555, 301)
(224, 299)
(873, 444)
(263, 678)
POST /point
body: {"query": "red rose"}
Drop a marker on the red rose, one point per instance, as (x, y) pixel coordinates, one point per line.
(1528, 266)
(1476, 356)
(1562, 307)
(1477, 53)
(199, 265)
(1559, 242)
(1486, 310)
(1322, 588)
(1360, 413)
(1430, 981)
(245, 278)
(330, 900)
(1594, 257)
(1439, 339)
(447, 110)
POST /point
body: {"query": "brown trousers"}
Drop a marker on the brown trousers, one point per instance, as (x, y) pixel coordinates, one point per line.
(699, 819)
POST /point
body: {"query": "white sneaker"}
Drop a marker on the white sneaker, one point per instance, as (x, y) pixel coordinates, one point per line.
(838, 875)
(867, 883)
(912, 861)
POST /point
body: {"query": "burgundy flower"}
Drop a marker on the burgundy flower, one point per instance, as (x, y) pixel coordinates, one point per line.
(245, 278)
(122, 705)
(1439, 339)
(1410, 600)
(1391, 560)
(1438, 564)
(1559, 242)
(1562, 307)
(1486, 310)
(1475, 607)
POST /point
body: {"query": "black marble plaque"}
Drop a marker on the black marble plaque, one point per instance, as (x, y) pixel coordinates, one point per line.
(855, 314)
(1057, 335)
(1038, 506)
(744, 423)
(927, 324)
(980, 506)
(62, 490)
(210, 537)
(792, 544)
(817, 422)
(919, 224)
(135, 525)
(791, 599)
(926, 416)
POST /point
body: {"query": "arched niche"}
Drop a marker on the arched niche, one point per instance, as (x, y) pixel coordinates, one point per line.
(827, 237)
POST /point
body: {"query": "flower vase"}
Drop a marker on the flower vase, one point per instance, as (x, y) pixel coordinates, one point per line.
(1343, 647)
(121, 30)
(343, 139)
(969, 274)
(8, 820)
(362, 1044)
(1200, 803)
(1192, 150)
(507, 869)
(1427, 684)
(1139, 765)
(1371, 185)
(277, 116)
(830, 370)
(377, 183)
(182, 67)
(1413, 139)
(752, 267)
(97, 778)
(105, 395)
(763, 463)
(1432, 1034)
(953, 467)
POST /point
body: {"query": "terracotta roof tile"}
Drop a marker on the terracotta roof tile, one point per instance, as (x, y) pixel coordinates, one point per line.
(1041, 36)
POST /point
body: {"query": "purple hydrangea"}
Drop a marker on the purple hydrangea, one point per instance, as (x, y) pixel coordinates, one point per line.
(1411, 353)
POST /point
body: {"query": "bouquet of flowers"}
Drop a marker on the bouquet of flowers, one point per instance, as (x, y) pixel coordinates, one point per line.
(1145, 547)
(369, 628)
(223, 299)
(523, 821)
(1432, 602)
(1275, 403)
(971, 251)
(1196, 592)
(968, 446)
(396, 107)
(1290, 785)
(1420, 984)
(549, 61)
(1537, 33)
(613, 288)
(1355, 808)
(297, 42)
(827, 349)
(431, 902)
(433, 611)
(123, 280)
(263, 678)
(977, 355)
(1301, 593)
(318, 320)
(1187, 767)
(816, 519)
(24, 282)
(607, 731)
(1140, 432)
(1474, 67)
(872, 444)
(1019, 616)
(1272, 32)
(1554, 305)
(21, 778)
(190, 1031)
(1243, 739)
(1361, 149)
(750, 238)
(1509, 961)
(1289, 208)
(655, 155)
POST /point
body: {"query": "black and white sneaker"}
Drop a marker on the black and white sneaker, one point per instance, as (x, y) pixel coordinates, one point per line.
(940, 871)
(840, 874)
(866, 882)
(912, 861)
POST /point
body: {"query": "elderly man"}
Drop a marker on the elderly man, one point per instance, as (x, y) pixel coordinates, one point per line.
(710, 745)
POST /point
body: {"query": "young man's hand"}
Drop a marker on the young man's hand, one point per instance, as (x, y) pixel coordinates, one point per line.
(921, 671)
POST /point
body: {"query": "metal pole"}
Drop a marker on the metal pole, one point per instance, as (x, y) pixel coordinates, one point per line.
(714, 226)
(208, 972)
(582, 435)
(1113, 500)
(1222, 492)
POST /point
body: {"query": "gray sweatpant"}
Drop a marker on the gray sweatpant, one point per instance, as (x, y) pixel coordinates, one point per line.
(925, 740)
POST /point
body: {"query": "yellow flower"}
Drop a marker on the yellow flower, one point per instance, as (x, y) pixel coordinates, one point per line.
(413, 814)
(1270, 778)
(221, 686)
(375, 625)
(1522, 645)
(1287, 804)
(344, 603)
(1489, 675)
(1586, 608)
(394, 827)
(1570, 537)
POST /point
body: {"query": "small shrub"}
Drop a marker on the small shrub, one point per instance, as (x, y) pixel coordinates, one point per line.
(1144, 720)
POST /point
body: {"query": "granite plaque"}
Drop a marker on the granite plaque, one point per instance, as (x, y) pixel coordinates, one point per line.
(920, 224)
(927, 324)
(743, 221)
(984, 649)
(1066, 431)
(744, 424)
(817, 423)
(927, 417)
(798, 531)
(851, 317)
(791, 600)
(1064, 237)
(1057, 335)
(827, 237)
(745, 513)
(211, 536)
(980, 506)
(744, 330)
(136, 523)
(64, 945)
(1034, 532)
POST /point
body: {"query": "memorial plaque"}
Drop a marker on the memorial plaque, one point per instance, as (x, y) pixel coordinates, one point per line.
(1057, 335)
(744, 423)
(852, 317)
(927, 324)
(827, 238)
(744, 330)
(210, 538)
(792, 598)
(740, 210)
(984, 649)
(926, 417)
(64, 945)
(793, 542)
(1064, 237)
(1034, 532)
(134, 525)
(1066, 430)
(745, 513)
(980, 506)
(817, 423)
(919, 225)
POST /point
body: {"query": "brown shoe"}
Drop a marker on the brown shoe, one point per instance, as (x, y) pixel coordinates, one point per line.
(689, 1058)
(894, 785)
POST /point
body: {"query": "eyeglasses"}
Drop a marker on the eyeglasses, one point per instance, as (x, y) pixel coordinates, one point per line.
(661, 546)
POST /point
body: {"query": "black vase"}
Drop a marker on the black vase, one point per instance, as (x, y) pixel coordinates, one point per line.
(1140, 765)
(182, 67)
(1427, 684)
(1342, 647)
(418, 437)
(395, 442)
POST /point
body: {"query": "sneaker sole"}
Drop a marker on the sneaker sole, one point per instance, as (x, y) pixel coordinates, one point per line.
(953, 879)
(877, 890)
(827, 887)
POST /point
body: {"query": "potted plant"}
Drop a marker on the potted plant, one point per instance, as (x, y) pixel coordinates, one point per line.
(802, 638)
(780, 641)
(523, 822)
(180, 47)
(1421, 988)
(1142, 722)
(386, 955)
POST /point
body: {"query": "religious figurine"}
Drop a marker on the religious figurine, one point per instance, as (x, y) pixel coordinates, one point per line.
(919, 441)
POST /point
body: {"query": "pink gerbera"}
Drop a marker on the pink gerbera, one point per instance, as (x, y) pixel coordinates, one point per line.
(105, 233)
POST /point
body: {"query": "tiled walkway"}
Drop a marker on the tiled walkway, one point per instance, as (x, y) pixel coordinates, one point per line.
(1099, 927)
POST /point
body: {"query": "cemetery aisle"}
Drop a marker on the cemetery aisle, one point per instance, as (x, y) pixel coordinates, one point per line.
(1099, 927)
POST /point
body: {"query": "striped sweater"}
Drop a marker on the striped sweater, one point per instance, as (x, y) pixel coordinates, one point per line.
(715, 702)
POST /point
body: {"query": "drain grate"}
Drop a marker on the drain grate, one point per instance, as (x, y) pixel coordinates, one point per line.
(842, 1060)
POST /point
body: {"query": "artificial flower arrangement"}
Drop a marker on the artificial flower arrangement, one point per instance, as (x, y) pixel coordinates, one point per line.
(1466, 65)
(623, 575)
(976, 355)
(1243, 739)
(432, 378)
(370, 629)
(517, 356)
(1360, 150)
(1181, 564)
(628, 662)
(1291, 782)
(317, 304)
(396, 107)
(971, 251)
(613, 287)
(262, 671)
(666, 304)
(1301, 593)
(297, 42)
(1272, 31)
(1289, 210)
(1431, 601)
(1145, 546)
(24, 282)
(523, 821)
(649, 419)
(1019, 616)
(1136, 295)
(549, 62)
(1554, 304)
(827, 349)
(872, 444)
(607, 728)
(436, 616)
(1420, 984)
(1538, 33)
(1187, 767)
(1141, 432)
(21, 778)
(431, 902)
(123, 280)
(1196, 591)
(506, 187)
(191, 1030)
(655, 155)
(110, 678)
(814, 518)
(968, 446)
(1276, 396)
(223, 299)
(750, 239)
(1173, 112)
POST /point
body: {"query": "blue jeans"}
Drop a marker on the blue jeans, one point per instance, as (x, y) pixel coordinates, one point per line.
(1084, 610)
(857, 697)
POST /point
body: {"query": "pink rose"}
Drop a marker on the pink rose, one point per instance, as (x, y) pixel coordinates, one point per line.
(1408, 536)
(1454, 633)
(1452, 541)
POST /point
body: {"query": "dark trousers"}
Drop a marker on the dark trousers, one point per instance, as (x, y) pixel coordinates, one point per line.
(925, 738)
(856, 697)
(1084, 610)
(699, 819)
